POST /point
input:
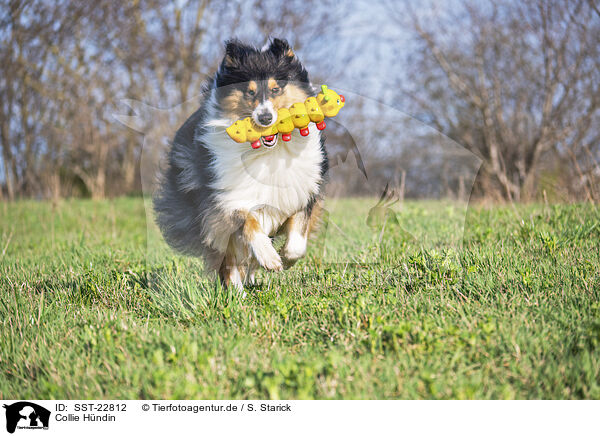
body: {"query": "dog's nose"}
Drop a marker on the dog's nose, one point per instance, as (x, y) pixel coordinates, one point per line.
(265, 118)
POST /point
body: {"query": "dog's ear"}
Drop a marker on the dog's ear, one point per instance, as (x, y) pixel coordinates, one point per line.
(234, 53)
(281, 48)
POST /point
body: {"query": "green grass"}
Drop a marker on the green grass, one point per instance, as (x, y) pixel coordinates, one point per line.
(91, 307)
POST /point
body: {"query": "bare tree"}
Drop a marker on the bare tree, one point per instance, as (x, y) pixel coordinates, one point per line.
(517, 83)
(66, 65)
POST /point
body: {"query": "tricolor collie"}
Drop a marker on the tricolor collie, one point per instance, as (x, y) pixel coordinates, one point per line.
(223, 200)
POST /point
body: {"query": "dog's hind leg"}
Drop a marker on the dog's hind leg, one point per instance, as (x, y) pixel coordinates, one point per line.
(231, 269)
(250, 277)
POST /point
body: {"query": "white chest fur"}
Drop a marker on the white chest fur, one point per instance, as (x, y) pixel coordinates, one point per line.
(273, 182)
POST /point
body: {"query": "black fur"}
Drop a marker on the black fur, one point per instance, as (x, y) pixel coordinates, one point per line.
(243, 63)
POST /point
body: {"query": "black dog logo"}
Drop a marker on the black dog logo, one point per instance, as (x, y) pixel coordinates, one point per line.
(26, 415)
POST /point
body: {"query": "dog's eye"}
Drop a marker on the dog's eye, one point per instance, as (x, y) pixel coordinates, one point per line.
(275, 90)
(251, 92)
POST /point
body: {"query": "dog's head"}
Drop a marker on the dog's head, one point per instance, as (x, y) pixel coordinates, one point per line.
(257, 83)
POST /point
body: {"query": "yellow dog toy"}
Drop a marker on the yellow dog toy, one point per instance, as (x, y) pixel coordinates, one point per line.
(327, 103)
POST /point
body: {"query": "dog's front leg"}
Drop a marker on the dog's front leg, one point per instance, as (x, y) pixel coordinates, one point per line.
(260, 244)
(296, 230)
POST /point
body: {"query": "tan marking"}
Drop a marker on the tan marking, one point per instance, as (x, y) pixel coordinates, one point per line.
(272, 83)
(229, 61)
(232, 103)
(290, 53)
(235, 106)
(252, 86)
(289, 225)
(291, 94)
(286, 227)
(251, 227)
(297, 222)
(233, 261)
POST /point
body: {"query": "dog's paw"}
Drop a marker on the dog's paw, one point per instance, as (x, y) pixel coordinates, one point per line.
(265, 254)
(273, 263)
(269, 259)
(295, 247)
(293, 250)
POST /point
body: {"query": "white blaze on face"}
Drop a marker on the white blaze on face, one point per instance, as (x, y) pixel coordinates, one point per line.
(263, 108)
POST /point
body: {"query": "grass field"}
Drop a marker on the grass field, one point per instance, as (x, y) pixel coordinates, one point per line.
(513, 313)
